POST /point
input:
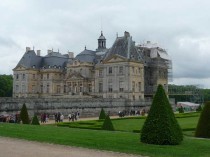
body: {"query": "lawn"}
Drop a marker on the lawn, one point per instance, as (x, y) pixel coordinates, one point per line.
(120, 141)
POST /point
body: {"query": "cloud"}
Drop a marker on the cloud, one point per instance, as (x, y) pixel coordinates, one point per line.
(180, 26)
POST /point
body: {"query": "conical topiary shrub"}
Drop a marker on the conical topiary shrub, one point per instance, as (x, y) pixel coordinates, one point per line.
(35, 120)
(181, 109)
(203, 127)
(161, 126)
(102, 114)
(107, 125)
(24, 115)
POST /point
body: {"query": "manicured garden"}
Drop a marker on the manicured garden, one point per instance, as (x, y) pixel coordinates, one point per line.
(121, 141)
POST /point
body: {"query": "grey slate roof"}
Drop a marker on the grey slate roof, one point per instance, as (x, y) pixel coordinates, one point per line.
(87, 56)
(125, 47)
(30, 59)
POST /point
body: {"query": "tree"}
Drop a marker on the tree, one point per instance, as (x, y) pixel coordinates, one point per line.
(6, 84)
(35, 120)
(24, 115)
(161, 126)
(107, 125)
(203, 126)
(102, 114)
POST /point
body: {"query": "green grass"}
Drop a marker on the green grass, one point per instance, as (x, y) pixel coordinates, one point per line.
(187, 121)
(126, 142)
(123, 140)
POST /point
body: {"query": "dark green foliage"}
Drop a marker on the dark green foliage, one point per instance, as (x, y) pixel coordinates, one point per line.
(107, 125)
(199, 108)
(6, 82)
(24, 115)
(35, 120)
(203, 127)
(102, 114)
(181, 109)
(161, 127)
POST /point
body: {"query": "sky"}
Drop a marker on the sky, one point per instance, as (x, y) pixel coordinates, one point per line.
(181, 27)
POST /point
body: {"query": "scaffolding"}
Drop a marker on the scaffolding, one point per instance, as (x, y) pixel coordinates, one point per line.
(157, 67)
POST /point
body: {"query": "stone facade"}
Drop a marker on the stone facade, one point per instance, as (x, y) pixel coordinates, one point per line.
(124, 71)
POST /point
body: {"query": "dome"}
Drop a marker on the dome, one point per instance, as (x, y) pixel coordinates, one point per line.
(86, 56)
(102, 36)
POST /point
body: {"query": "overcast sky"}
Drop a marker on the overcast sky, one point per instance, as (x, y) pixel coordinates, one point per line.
(182, 27)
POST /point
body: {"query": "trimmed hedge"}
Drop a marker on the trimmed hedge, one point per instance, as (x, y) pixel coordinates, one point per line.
(203, 127)
(24, 115)
(35, 121)
(102, 114)
(161, 126)
(107, 125)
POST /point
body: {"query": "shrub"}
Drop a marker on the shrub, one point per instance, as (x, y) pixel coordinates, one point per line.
(199, 108)
(102, 114)
(203, 127)
(107, 125)
(35, 120)
(181, 109)
(24, 115)
(161, 126)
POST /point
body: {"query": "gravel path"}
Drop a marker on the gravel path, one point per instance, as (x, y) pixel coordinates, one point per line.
(10, 147)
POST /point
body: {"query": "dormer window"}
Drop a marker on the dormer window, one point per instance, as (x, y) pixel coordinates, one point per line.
(55, 66)
(49, 66)
(59, 67)
(34, 66)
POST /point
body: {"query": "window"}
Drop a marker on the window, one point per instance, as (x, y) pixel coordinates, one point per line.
(139, 70)
(17, 88)
(24, 76)
(110, 70)
(41, 89)
(48, 88)
(121, 70)
(139, 86)
(23, 88)
(121, 85)
(48, 76)
(100, 87)
(64, 88)
(110, 86)
(33, 88)
(34, 76)
(133, 86)
(80, 87)
(100, 73)
(58, 89)
(133, 69)
(17, 76)
(89, 88)
(133, 97)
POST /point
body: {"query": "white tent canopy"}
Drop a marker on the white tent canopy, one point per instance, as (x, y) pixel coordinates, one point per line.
(187, 104)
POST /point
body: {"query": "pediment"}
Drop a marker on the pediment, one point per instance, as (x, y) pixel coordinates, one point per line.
(115, 58)
(20, 67)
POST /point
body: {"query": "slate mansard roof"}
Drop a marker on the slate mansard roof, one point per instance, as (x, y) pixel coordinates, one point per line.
(123, 46)
(31, 60)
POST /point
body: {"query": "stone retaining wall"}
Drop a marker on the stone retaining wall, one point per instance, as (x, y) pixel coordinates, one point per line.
(86, 107)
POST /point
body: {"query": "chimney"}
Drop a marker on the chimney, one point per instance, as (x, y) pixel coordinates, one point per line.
(28, 49)
(71, 54)
(38, 52)
(49, 51)
(126, 34)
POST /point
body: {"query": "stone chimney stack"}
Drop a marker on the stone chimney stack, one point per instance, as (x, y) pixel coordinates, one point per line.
(71, 54)
(49, 51)
(28, 49)
(38, 52)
